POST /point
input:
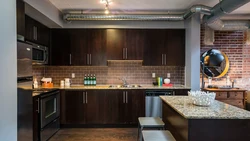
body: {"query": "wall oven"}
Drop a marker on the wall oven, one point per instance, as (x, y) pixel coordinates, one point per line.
(49, 114)
(40, 54)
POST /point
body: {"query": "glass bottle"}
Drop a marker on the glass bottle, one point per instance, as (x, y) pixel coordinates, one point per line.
(88, 81)
(91, 80)
(85, 80)
(94, 80)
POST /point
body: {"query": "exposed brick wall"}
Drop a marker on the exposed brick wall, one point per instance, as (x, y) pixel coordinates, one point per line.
(133, 71)
(233, 44)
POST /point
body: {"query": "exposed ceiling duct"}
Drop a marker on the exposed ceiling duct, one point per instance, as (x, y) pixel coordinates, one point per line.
(222, 8)
(211, 16)
(141, 17)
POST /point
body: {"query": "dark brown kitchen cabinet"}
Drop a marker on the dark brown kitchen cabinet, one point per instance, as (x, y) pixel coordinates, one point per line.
(116, 49)
(175, 47)
(125, 44)
(134, 44)
(88, 47)
(36, 32)
(94, 106)
(82, 107)
(72, 107)
(20, 17)
(181, 92)
(164, 47)
(135, 106)
(155, 48)
(60, 47)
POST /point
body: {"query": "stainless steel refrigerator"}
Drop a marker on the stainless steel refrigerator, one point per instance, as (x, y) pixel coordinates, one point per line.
(24, 92)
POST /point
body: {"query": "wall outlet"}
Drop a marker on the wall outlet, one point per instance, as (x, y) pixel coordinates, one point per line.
(73, 75)
(153, 75)
(168, 75)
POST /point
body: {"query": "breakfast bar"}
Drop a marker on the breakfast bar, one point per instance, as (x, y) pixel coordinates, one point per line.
(217, 122)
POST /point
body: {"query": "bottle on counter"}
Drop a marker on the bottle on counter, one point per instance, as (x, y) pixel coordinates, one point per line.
(88, 81)
(91, 80)
(94, 80)
(35, 84)
(85, 80)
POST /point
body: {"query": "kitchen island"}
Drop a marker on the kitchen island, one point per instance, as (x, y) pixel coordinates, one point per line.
(218, 122)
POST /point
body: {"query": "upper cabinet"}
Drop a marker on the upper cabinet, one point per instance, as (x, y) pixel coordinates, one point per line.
(175, 47)
(93, 47)
(125, 44)
(164, 47)
(36, 32)
(20, 15)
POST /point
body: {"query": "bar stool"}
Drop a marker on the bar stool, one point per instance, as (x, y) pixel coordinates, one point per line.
(153, 135)
(149, 122)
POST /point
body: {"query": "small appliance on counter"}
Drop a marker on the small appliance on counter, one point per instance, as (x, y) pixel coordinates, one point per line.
(47, 82)
(67, 82)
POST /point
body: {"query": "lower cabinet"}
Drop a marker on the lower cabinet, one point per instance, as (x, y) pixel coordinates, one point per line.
(102, 106)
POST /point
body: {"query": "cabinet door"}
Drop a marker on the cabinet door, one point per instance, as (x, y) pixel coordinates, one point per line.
(60, 47)
(113, 107)
(181, 92)
(43, 34)
(155, 48)
(95, 106)
(135, 105)
(20, 15)
(175, 54)
(29, 28)
(97, 47)
(79, 47)
(115, 44)
(72, 107)
(135, 42)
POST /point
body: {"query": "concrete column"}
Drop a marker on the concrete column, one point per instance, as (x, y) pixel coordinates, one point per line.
(192, 26)
(8, 71)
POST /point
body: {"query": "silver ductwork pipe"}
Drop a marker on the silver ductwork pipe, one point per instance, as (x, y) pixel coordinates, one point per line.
(142, 17)
(222, 8)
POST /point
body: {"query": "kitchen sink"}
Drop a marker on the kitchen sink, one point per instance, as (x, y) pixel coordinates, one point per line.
(125, 86)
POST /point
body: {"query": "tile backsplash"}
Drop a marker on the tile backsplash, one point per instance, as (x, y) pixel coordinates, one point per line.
(132, 70)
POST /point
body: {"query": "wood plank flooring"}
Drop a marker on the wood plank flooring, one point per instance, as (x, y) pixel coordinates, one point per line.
(96, 134)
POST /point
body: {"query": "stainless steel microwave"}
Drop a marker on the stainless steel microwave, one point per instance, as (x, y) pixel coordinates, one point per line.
(40, 54)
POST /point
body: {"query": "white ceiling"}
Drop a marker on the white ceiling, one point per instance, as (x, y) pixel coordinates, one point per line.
(174, 5)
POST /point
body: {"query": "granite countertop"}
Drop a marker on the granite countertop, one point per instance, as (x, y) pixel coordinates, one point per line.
(218, 110)
(79, 87)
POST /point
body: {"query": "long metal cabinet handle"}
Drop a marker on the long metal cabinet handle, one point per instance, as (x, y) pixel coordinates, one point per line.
(83, 97)
(70, 59)
(162, 59)
(34, 32)
(90, 59)
(126, 53)
(86, 101)
(38, 105)
(165, 59)
(123, 97)
(126, 97)
(123, 52)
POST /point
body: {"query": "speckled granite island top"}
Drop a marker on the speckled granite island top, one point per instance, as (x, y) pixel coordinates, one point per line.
(218, 110)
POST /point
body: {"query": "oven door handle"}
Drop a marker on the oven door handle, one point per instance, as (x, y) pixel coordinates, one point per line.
(49, 94)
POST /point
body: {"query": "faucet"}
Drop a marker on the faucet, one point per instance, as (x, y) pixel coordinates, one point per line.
(125, 83)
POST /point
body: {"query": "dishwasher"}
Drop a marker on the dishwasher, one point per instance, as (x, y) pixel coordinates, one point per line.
(153, 102)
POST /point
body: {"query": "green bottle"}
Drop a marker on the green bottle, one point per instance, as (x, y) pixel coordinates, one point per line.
(88, 81)
(91, 80)
(85, 80)
(94, 80)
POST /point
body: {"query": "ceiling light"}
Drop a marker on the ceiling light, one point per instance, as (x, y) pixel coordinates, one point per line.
(107, 3)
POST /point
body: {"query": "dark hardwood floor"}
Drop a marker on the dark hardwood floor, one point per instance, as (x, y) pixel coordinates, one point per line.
(96, 134)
